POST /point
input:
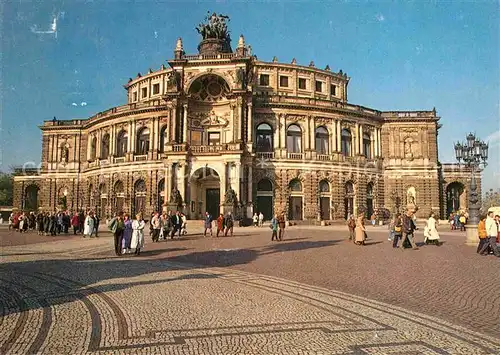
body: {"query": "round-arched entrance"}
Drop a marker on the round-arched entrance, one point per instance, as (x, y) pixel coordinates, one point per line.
(348, 199)
(264, 201)
(139, 198)
(455, 197)
(295, 203)
(205, 193)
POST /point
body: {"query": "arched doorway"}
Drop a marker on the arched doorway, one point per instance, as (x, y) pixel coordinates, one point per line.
(369, 200)
(324, 200)
(205, 193)
(119, 193)
(102, 202)
(455, 197)
(265, 198)
(348, 199)
(31, 198)
(295, 201)
(139, 198)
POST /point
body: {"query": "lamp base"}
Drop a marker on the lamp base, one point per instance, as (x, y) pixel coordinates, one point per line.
(471, 235)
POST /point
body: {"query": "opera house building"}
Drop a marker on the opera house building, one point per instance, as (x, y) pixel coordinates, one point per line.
(222, 130)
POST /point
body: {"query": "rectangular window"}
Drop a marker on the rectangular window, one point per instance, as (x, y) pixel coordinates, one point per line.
(213, 138)
(264, 79)
(134, 96)
(333, 90)
(319, 86)
(196, 138)
(284, 81)
(156, 89)
(302, 84)
(144, 92)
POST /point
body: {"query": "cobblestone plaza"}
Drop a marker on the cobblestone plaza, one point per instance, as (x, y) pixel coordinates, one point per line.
(313, 293)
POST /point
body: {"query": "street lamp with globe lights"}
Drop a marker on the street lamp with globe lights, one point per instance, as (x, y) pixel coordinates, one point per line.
(473, 155)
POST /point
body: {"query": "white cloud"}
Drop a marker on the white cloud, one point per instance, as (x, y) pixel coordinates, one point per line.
(83, 103)
(74, 104)
(380, 17)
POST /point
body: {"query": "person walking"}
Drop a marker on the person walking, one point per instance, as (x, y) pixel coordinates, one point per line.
(351, 225)
(408, 229)
(229, 224)
(220, 225)
(274, 227)
(88, 225)
(430, 232)
(137, 240)
(183, 230)
(176, 224)
(127, 235)
(261, 219)
(492, 233)
(155, 227)
(74, 223)
(207, 224)
(255, 219)
(398, 230)
(360, 230)
(482, 234)
(281, 226)
(117, 227)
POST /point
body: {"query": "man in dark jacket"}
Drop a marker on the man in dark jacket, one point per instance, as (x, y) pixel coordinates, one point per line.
(176, 224)
(408, 229)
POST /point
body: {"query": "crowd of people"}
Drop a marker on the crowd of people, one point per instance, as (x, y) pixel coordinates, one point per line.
(54, 223)
(458, 220)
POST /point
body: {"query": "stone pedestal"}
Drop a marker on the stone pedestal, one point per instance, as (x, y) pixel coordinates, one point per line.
(226, 208)
(471, 235)
(212, 46)
(173, 207)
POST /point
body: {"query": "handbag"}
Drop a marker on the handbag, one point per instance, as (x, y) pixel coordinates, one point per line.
(397, 229)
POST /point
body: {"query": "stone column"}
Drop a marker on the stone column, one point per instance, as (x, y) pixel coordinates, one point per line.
(372, 144)
(181, 186)
(332, 143)
(112, 141)
(184, 124)
(339, 136)
(360, 140)
(379, 145)
(249, 123)
(276, 135)
(89, 147)
(130, 139)
(237, 180)
(282, 128)
(312, 134)
(250, 192)
(223, 188)
(173, 120)
(98, 145)
(168, 187)
(307, 134)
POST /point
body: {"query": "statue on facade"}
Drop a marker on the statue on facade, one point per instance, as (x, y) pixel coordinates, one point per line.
(408, 149)
(215, 27)
(240, 78)
(174, 80)
(175, 196)
(230, 197)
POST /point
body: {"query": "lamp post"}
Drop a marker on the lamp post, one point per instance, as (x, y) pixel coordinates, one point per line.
(473, 155)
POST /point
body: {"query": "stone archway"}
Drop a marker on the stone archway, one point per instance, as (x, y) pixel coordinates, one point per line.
(456, 197)
(205, 192)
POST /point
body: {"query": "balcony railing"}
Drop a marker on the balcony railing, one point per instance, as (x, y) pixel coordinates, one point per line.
(295, 156)
(265, 155)
(324, 157)
(103, 162)
(119, 160)
(141, 157)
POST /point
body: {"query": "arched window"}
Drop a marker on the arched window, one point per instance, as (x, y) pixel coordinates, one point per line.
(105, 147)
(264, 185)
(367, 146)
(349, 188)
(295, 185)
(140, 197)
(324, 186)
(163, 138)
(264, 138)
(294, 139)
(93, 148)
(121, 144)
(322, 140)
(346, 142)
(142, 141)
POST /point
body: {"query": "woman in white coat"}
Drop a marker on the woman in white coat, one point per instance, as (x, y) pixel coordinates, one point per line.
(430, 231)
(88, 228)
(137, 240)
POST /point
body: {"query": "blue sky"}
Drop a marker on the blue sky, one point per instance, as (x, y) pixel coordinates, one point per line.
(400, 55)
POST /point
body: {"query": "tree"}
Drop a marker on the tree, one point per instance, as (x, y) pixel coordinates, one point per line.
(6, 188)
(490, 199)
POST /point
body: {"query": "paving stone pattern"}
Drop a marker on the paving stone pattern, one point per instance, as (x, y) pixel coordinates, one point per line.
(74, 297)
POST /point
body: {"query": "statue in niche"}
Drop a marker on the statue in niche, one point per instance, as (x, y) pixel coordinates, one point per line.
(410, 197)
(408, 150)
(230, 197)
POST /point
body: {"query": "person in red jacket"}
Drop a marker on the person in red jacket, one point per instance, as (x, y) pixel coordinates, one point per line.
(75, 222)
